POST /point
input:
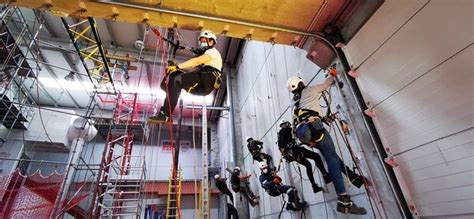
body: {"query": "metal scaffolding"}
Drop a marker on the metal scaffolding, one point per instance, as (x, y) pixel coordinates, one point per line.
(91, 48)
(112, 188)
(121, 177)
(16, 73)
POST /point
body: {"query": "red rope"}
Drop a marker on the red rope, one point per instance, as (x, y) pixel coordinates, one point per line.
(170, 125)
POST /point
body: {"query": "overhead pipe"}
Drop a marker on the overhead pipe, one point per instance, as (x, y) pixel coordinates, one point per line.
(213, 18)
(313, 22)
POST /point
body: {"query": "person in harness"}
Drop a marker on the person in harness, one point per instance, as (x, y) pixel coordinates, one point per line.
(310, 131)
(221, 184)
(255, 148)
(241, 184)
(292, 151)
(271, 182)
(205, 77)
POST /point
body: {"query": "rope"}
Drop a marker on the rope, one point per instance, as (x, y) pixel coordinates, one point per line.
(366, 184)
(341, 154)
(302, 191)
(140, 58)
(258, 74)
(346, 141)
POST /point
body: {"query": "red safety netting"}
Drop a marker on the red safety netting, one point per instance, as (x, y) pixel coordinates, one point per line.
(30, 196)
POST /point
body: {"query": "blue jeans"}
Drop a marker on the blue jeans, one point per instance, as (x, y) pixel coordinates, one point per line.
(326, 146)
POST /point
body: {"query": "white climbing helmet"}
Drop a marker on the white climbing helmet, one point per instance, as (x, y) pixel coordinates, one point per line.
(217, 176)
(208, 34)
(249, 138)
(283, 121)
(262, 165)
(237, 168)
(293, 82)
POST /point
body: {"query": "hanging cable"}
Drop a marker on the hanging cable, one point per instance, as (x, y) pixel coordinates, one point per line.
(340, 154)
(328, 100)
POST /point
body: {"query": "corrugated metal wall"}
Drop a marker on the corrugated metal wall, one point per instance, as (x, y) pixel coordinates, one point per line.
(415, 59)
(263, 100)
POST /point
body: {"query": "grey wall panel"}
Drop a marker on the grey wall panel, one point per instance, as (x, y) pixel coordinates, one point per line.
(419, 79)
(264, 100)
(386, 20)
(431, 107)
(446, 209)
(417, 47)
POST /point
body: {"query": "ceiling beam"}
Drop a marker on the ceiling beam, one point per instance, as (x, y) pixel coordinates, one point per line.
(251, 28)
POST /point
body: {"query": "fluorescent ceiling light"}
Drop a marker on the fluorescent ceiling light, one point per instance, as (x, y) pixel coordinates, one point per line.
(142, 91)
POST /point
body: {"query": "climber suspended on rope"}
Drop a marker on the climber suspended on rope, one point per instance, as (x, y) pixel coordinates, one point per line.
(255, 148)
(292, 151)
(241, 184)
(310, 131)
(271, 182)
(221, 184)
(205, 77)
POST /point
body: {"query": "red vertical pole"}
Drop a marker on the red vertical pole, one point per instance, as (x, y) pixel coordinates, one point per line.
(126, 155)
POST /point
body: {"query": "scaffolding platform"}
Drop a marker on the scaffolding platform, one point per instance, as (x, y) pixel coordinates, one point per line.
(124, 187)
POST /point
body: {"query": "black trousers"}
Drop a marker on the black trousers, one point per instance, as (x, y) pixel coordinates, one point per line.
(198, 82)
(228, 193)
(301, 154)
(232, 212)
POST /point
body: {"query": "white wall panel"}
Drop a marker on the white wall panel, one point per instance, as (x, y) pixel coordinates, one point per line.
(433, 106)
(451, 181)
(419, 78)
(442, 157)
(416, 48)
(386, 20)
(448, 208)
(444, 169)
(263, 101)
(446, 195)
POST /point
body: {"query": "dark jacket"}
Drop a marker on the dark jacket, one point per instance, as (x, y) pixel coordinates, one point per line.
(255, 146)
(285, 139)
(235, 181)
(221, 185)
(266, 180)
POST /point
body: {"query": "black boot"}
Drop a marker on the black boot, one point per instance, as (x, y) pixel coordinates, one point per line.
(290, 207)
(327, 178)
(358, 181)
(301, 205)
(346, 206)
(316, 188)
